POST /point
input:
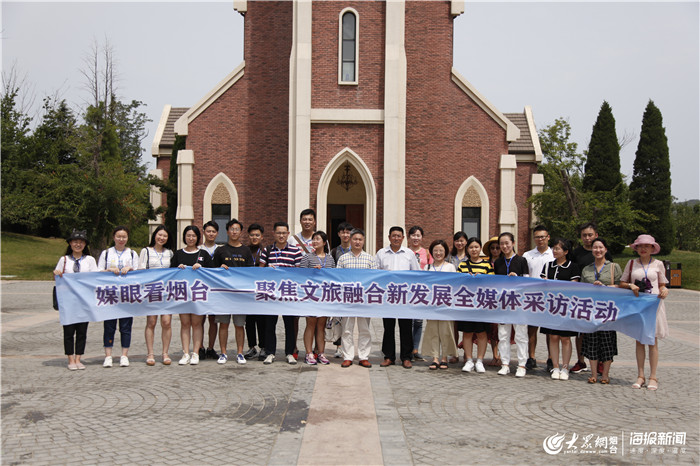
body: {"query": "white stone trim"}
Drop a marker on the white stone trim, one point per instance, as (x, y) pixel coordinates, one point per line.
(456, 9)
(182, 123)
(240, 6)
(347, 115)
(299, 173)
(483, 195)
(533, 133)
(536, 187)
(508, 216)
(340, 47)
(156, 198)
(512, 131)
(394, 208)
(155, 147)
(185, 183)
(220, 178)
(325, 181)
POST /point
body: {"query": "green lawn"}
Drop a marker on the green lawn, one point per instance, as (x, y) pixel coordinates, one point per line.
(33, 258)
(29, 257)
(690, 265)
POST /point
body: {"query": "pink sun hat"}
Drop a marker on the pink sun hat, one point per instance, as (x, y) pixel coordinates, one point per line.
(646, 239)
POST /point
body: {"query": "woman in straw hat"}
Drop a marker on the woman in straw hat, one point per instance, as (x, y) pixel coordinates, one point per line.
(647, 275)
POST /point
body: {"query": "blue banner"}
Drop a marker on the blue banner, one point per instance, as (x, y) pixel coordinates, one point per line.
(580, 307)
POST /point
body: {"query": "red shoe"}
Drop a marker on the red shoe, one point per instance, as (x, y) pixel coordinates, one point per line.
(346, 363)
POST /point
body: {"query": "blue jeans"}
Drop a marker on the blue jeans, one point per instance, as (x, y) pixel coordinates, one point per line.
(417, 332)
(124, 330)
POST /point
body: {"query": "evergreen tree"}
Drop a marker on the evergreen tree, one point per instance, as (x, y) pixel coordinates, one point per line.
(602, 170)
(650, 190)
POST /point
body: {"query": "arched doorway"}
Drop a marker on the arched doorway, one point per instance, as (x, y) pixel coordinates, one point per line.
(346, 192)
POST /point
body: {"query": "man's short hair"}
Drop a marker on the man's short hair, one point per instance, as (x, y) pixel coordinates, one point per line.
(395, 228)
(307, 212)
(540, 228)
(211, 223)
(344, 226)
(233, 221)
(586, 226)
(280, 224)
(256, 226)
(357, 231)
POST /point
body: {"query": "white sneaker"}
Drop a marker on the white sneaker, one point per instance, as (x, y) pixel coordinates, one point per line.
(564, 374)
(290, 359)
(240, 359)
(520, 372)
(108, 361)
(222, 359)
(505, 370)
(555, 373)
(468, 366)
(269, 359)
(194, 359)
(480, 369)
(123, 361)
(338, 353)
(185, 359)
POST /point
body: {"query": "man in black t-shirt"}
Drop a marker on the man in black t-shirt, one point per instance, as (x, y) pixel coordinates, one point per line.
(232, 254)
(583, 256)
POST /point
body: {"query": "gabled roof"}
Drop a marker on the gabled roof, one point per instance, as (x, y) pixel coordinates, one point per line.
(165, 134)
(512, 131)
(526, 148)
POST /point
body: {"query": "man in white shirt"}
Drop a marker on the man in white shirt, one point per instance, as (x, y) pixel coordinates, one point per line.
(356, 259)
(397, 257)
(536, 260)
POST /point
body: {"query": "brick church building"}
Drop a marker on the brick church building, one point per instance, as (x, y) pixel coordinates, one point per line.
(352, 108)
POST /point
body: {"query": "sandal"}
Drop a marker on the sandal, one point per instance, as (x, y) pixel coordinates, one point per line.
(150, 360)
(605, 381)
(166, 359)
(638, 385)
(653, 385)
(593, 379)
(495, 362)
(433, 366)
(443, 365)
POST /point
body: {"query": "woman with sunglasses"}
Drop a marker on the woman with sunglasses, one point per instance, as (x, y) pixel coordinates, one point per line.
(76, 259)
(647, 275)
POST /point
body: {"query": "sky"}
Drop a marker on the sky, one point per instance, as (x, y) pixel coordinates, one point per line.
(563, 59)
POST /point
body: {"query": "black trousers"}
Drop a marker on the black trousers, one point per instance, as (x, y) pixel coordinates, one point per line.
(74, 337)
(270, 339)
(253, 323)
(290, 334)
(389, 341)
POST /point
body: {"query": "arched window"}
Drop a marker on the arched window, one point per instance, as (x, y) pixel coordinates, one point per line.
(347, 63)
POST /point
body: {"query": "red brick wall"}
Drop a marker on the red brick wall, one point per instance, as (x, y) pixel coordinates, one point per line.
(448, 136)
(367, 141)
(244, 133)
(325, 90)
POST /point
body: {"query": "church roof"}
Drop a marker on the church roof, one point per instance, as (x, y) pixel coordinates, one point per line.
(165, 134)
(527, 146)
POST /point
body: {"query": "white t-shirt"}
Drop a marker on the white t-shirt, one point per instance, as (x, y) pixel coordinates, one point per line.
(151, 259)
(110, 258)
(536, 260)
(87, 264)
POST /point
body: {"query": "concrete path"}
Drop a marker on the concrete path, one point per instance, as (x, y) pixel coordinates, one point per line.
(284, 414)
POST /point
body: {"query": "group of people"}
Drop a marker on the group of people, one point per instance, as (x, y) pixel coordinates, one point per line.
(549, 260)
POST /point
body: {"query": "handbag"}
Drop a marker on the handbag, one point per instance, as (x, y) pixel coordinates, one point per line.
(55, 297)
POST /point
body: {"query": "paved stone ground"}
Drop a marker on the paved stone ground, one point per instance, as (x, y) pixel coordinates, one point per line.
(256, 414)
